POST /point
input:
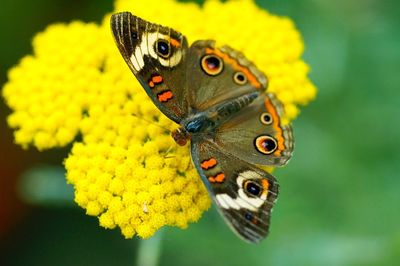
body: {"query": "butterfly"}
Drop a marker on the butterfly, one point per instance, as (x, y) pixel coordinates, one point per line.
(218, 98)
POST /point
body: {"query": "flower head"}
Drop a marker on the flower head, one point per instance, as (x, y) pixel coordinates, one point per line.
(124, 169)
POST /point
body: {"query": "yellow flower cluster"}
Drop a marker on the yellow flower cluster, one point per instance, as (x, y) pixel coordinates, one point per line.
(126, 171)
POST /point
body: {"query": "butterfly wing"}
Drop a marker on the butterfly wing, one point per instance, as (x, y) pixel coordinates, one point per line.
(243, 193)
(157, 57)
(216, 75)
(256, 133)
(222, 75)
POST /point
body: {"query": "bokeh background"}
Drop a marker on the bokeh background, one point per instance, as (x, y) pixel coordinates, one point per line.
(340, 195)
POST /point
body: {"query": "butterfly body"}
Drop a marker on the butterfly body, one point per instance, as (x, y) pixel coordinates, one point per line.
(217, 98)
(207, 121)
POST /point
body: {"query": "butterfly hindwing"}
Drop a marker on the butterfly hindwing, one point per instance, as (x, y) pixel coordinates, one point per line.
(264, 140)
(157, 57)
(243, 193)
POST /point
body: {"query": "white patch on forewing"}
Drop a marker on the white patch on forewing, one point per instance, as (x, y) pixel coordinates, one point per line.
(135, 62)
(139, 52)
(245, 176)
(242, 200)
(253, 202)
(151, 40)
(227, 202)
(244, 203)
(146, 48)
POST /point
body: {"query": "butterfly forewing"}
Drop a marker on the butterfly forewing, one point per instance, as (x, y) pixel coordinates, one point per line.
(157, 57)
(243, 193)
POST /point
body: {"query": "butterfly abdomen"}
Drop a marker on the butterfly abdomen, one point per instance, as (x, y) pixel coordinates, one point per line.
(208, 120)
(227, 109)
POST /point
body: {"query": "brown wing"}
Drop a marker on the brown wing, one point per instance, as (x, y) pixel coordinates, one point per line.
(256, 134)
(157, 57)
(215, 75)
(243, 193)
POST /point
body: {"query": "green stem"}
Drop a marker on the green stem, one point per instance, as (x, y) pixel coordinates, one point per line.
(150, 250)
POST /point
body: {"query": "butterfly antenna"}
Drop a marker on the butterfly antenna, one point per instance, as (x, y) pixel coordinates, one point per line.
(166, 156)
(151, 122)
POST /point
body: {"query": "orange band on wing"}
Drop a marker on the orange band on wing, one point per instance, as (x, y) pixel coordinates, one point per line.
(276, 126)
(219, 178)
(157, 79)
(265, 185)
(165, 96)
(207, 164)
(231, 61)
(175, 43)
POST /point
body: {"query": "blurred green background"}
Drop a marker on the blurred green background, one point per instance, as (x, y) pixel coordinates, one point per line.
(340, 195)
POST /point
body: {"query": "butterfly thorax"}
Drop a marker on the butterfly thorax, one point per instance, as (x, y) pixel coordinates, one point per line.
(205, 122)
(198, 123)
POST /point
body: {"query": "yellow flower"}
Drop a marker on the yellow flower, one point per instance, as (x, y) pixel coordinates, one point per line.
(77, 88)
